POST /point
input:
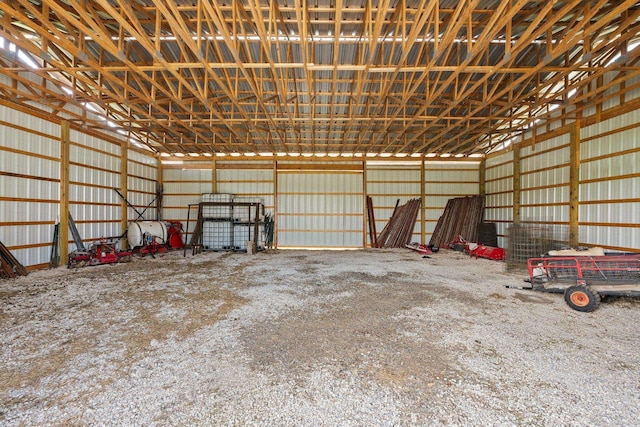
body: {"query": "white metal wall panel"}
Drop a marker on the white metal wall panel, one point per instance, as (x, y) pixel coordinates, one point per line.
(610, 183)
(248, 182)
(499, 193)
(614, 142)
(93, 173)
(94, 158)
(91, 141)
(544, 169)
(623, 238)
(445, 181)
(142, 184)
(181, 188)
(29, 198)
(320, 209)
(29, 141)
(614, 101)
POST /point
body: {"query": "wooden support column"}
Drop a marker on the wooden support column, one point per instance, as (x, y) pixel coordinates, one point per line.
(482, 177)
(574, 184)
(423, 201)
(275, 204)
(516, 184)
(124, 188)
(365, 217)
(214, 176)
(64, 192)
(160, 189)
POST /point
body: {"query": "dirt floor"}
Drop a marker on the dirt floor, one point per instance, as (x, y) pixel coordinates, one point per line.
(372, 337)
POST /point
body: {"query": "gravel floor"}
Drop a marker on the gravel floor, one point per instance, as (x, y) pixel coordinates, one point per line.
(310, 338)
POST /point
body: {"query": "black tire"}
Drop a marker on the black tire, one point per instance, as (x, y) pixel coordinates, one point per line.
(582, 298)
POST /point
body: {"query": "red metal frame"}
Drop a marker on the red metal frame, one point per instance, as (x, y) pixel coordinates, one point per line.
(608, 269)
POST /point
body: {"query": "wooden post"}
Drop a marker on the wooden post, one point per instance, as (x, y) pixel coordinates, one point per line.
(516, 183)
(124, 188)
(365, 217)
(423, 201)
(214, 176)
(275, 204)
(160, 189)
(574, 183)
(64, 192)
(482, 178)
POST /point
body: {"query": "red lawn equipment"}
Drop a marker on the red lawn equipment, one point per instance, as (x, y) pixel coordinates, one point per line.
(101, 252)
(477, 250)
(482, 251)
(174, 235)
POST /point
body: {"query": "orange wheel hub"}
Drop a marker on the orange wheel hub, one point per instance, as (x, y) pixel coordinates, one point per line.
(580, 299)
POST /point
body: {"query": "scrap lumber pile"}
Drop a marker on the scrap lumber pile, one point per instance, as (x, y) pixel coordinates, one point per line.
(460, 218)
(9, 266)
(398, 231)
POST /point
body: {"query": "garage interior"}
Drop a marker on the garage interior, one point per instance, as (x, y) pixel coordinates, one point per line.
(327, 112)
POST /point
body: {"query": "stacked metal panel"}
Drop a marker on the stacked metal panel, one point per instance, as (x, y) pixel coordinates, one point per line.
(460, 218)
(398, 231)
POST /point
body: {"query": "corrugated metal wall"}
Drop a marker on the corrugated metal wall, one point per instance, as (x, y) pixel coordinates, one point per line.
(254, 179)
(321, 204)
(499, 193)
(142, 184)
(388, 183)
(320, 208)
(30, 184)
(610, 183)
(183, 187)
(94, 170)
(444, 181)
(544, 173)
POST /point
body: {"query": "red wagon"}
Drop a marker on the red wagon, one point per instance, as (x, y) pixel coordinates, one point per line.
(584, 279)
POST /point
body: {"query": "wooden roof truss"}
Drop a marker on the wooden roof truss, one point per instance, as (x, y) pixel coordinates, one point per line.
(328, 76)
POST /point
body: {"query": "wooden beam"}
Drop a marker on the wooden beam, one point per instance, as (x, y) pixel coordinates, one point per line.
(574, 184)
(64, 191)
(214, 176)
(423, 203)
(516, 184)
(482, 177)
(124, 189)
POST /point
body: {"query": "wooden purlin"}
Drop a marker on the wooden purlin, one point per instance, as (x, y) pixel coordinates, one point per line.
(461, 217)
